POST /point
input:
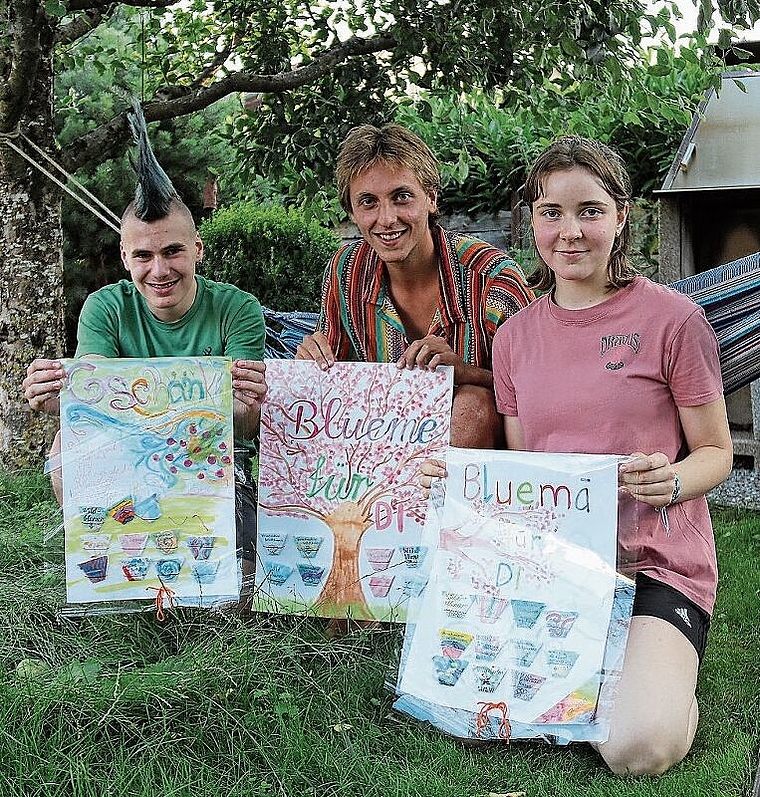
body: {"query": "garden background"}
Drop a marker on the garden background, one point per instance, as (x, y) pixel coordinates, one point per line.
(253, 99)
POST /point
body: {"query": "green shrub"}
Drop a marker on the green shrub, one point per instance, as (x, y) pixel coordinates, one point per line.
(275, 253)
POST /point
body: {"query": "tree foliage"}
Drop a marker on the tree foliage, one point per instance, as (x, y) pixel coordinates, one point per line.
(486, 141)
(321, 67)
(595, 80)
(501, 48)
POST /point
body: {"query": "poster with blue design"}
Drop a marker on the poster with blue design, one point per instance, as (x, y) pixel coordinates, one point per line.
(516, 613)
(148, 479)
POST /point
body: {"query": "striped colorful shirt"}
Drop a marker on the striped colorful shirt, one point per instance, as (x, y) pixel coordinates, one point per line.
(480, 286)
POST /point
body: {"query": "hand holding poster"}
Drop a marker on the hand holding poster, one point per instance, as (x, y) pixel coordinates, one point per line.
(340, 508)
(517, 609)
(148, 479)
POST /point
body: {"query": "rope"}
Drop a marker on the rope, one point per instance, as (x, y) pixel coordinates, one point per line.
(111, 219)
(73, 179)
(163, 593)
(482, 721)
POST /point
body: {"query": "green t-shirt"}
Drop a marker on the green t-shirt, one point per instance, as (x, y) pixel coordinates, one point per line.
(223, 322)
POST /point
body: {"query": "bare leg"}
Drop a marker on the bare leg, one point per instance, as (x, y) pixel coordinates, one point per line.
(655, 711)
(475, 423)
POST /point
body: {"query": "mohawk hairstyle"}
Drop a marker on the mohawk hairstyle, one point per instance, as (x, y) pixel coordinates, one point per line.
(154, 193)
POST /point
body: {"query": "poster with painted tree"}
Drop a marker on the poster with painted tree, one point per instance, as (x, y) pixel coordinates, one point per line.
(340, 508)
(148, 480)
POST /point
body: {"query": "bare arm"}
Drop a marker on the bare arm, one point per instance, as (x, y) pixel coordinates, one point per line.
(513, 433)
(651, 478)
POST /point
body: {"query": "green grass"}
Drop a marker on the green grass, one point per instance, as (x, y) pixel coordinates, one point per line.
(209, 703)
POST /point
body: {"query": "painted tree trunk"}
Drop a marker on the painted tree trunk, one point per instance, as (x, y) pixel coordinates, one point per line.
(342, 593)
(31, 277)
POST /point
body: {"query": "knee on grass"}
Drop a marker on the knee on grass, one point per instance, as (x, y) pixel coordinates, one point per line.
(645, 754)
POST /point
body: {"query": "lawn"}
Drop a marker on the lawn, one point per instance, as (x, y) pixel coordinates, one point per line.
(211, 703)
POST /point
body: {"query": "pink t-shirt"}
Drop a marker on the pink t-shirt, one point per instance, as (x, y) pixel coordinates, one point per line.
(609, 380)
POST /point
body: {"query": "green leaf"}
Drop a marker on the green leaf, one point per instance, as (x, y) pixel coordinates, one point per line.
(55, 8)
(704, 16)
(32, 669)
(80, 672)
(463, 166)
(725, 37)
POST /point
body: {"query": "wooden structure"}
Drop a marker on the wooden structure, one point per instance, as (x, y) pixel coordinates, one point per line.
(710, 210)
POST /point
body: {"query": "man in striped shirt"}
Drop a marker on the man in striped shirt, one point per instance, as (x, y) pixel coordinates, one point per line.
(411, 292)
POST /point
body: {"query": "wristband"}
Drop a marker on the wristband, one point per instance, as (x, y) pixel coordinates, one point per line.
(676, 489)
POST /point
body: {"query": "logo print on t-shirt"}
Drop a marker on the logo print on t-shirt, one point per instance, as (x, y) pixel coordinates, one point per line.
(207, 351)
(608, 342)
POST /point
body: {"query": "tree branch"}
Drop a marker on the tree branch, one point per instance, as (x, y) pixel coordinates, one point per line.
(102, 5)
(303, 509)
(109, 139)
(82, 24)
(26, 22)
(219, 60)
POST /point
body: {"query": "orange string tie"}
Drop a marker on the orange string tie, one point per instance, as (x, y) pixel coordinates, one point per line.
(482, 721)
(163, 593)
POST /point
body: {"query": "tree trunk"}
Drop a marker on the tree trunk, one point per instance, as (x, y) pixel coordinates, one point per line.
(31, 275)
(342, 594)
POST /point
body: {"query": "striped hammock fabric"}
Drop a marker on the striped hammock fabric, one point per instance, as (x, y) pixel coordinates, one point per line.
(730, 297)
(729, 294)
(284, 331)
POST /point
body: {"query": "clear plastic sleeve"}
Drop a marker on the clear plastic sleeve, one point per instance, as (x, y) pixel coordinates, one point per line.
(149, 484)
(520, 631)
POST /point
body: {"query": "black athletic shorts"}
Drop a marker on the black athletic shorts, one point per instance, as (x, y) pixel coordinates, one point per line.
(655, 599)
(245, 505)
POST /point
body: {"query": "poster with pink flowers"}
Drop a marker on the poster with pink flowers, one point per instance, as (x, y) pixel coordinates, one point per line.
(148, 480)
(340, 507)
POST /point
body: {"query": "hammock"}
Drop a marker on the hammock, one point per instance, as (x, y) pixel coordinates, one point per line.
(284, 331)
(730, 297)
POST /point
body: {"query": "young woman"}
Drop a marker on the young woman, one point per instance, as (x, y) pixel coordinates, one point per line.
(607, 361)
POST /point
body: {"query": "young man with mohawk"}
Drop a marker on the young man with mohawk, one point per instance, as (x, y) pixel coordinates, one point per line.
(167, 310)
